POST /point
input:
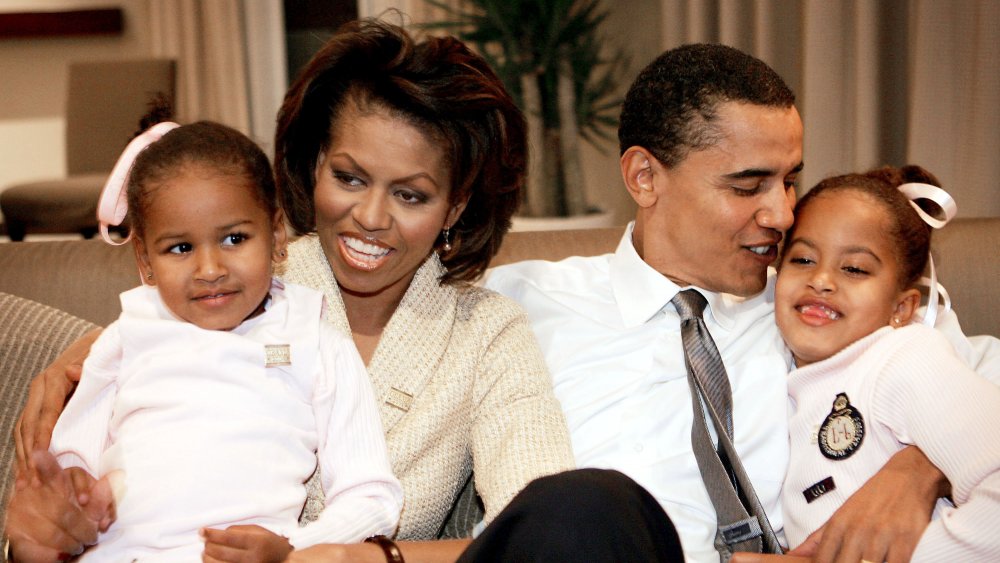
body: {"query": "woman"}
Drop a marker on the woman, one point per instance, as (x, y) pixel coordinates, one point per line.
(402, 163)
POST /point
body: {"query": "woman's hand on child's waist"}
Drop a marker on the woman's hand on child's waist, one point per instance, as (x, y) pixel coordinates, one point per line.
(46, 399)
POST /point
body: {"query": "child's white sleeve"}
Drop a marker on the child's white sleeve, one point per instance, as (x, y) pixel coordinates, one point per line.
(981, 352)
(81, 433)
(363, 497)
(933, 400)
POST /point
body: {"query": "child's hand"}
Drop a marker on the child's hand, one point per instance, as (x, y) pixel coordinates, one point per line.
(244, 543)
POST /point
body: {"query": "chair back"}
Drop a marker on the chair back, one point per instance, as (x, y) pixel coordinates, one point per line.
(105, 101)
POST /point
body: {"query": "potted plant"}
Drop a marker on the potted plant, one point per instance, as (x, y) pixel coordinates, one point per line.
(549, 55)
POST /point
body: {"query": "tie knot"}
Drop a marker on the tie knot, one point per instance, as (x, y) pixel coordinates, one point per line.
(689, 304)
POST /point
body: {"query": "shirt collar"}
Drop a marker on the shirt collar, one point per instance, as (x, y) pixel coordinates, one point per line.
(641, 292)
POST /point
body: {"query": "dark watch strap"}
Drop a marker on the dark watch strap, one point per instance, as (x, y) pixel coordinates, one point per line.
(389, 547)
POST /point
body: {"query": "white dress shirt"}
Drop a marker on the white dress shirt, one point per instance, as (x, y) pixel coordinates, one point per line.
(613, 343)
(204, 429)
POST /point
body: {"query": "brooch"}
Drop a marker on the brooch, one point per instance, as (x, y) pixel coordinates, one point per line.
(842, 431)
(277, 355)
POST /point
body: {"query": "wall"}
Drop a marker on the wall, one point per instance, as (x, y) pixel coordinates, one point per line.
(33, 87)
(633, 25)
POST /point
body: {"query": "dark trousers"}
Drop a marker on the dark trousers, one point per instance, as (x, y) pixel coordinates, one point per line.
(587, 515)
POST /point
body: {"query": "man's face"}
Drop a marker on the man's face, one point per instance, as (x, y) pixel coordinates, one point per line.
(720, 213)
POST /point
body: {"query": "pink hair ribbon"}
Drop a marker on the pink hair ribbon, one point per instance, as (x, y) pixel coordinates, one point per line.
(915, 191)
(113, 204)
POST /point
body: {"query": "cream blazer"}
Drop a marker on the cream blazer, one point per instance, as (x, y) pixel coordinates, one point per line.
(462, 386)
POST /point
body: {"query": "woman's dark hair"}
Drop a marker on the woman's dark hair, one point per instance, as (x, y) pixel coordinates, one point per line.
(437, 85)
(204, 143)
(910, 235)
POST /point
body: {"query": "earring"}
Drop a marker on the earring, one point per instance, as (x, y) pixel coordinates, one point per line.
(281, 253)
(447, 243)
(895, 321)
(149, 275)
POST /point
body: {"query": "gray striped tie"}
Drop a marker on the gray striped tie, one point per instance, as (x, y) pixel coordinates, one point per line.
(702, 355)
(725, 479)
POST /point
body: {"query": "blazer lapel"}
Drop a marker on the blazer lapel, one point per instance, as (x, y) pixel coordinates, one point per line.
(414, 342)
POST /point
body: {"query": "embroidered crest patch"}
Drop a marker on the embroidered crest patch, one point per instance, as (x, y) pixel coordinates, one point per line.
(842, 431)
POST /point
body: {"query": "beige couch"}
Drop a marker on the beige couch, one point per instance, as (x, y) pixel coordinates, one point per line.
(84, 277)
(71, 284)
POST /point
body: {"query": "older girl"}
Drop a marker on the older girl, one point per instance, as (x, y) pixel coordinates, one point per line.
(870, 378)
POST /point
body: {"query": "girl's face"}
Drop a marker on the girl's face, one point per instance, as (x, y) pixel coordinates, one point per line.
(209, 245)
(838, 279)
(381, 201)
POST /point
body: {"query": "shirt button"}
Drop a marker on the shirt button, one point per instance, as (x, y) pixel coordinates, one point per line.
(638, 448)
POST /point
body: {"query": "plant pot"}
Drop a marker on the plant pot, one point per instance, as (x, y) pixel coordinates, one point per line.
(594, 220)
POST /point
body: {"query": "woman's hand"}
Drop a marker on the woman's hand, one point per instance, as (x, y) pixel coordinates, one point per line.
(244, 544)
(55, 513)
(338, 553)
(46, 398)
(413, 552)
(884, 519)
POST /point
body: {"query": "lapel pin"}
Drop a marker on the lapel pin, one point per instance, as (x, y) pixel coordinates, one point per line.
(277, 355)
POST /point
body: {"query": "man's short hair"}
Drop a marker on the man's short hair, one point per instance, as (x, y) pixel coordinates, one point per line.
(670, 107)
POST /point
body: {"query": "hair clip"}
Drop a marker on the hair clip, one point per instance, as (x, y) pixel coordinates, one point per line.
(914, 191)
(113, 204)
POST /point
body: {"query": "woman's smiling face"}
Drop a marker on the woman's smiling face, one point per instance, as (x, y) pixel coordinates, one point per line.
(381, 200)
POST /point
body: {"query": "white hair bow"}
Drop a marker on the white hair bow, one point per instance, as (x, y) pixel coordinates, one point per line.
(949, 209)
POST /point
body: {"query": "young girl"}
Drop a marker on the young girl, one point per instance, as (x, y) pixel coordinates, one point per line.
(867, 381)
(205, 403)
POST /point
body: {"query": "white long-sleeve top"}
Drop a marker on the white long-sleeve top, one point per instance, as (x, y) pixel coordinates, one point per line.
(198, 432)
(909, 388)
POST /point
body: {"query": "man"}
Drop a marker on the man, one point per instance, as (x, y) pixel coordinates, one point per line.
(711, 145)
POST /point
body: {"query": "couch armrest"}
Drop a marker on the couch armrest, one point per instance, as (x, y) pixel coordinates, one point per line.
(31, 336)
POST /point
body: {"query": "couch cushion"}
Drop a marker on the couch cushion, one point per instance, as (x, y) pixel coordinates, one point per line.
(81, 277)
(556, 245)
(965, 253)
(31, 336)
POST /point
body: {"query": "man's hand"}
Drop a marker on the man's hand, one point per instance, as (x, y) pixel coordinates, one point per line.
(244, 544)
(46, 398)
(884, 519)
(45, 519)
